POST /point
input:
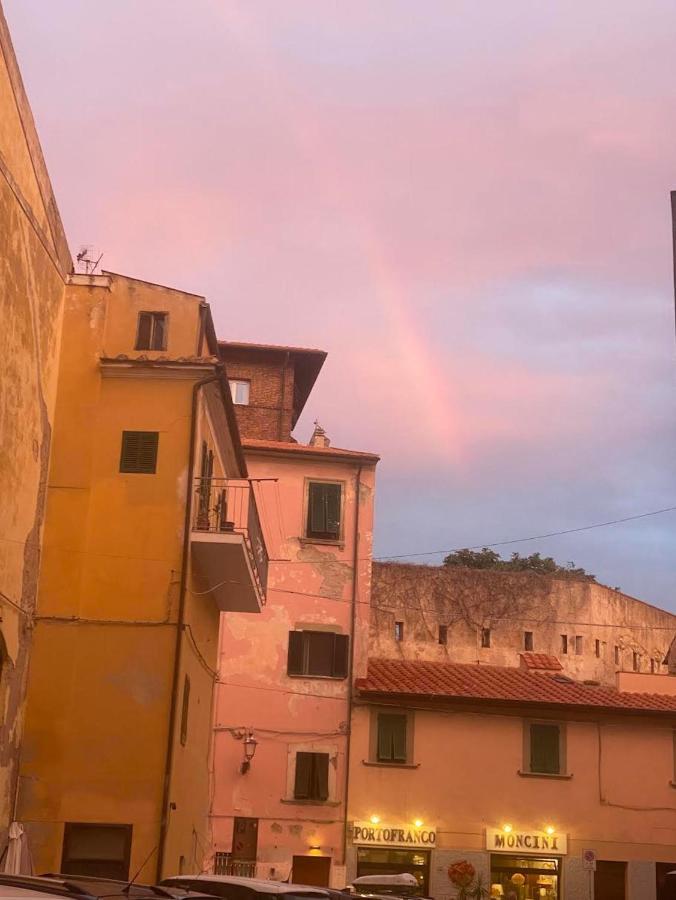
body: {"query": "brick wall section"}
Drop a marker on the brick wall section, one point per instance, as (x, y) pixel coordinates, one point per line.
(271, 374)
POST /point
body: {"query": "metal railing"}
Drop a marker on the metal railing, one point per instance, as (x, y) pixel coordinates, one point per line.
(225, 505)
(224, 864)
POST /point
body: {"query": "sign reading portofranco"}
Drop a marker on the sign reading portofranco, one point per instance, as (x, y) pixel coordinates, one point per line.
(393, 835)
(498, 840)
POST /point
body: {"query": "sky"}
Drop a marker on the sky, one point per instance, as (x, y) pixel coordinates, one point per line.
(466, 204)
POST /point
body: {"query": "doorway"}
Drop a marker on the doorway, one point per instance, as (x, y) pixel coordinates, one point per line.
(525, 877)
(610, 879)
(312, 870)
(245, 838)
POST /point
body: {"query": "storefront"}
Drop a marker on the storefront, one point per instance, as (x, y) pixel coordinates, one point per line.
(525, 865)
(394, 850)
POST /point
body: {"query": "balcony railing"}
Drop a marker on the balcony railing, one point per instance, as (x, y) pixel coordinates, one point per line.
(224, 864)
(227, 506)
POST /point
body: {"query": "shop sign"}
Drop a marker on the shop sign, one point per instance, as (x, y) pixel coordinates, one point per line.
(393, 835)
(538, 842)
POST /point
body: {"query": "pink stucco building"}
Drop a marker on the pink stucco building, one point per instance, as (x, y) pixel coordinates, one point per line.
(283, 684)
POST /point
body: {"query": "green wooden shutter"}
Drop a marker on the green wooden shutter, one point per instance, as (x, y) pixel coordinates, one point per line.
(392, 737)
(545, 749)
(332, 504)
(324, 502)
(316, 516)
(294, 661)
(302, 785)
(320, 776)
(139, 452)
(341, 646)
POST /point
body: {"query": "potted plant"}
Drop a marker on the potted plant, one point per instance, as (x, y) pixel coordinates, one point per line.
(464, 878)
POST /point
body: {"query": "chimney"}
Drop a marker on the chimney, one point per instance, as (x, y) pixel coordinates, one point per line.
(319, 438)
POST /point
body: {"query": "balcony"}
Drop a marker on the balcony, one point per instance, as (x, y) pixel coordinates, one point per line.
(228, 547)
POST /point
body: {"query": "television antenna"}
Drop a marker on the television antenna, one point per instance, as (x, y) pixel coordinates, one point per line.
(86, 261)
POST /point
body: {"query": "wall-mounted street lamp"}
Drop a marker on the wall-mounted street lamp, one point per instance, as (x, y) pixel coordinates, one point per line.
(250, 744)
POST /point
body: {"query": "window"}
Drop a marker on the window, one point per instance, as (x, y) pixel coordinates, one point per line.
(240, 392)
(318, 654)
(617, 655)
(597, 647)
(544, 748)
(184, 711)
(399, 631)
(610, 880)
(151, 331)
(636, 661)
(139, 452)
(443, 634)
(98, 850)
(391, 746)
(324, 509)
(312, 777)
(485, 637)
(564, 644)
(579, 642)
(653, 666)
(528, 640)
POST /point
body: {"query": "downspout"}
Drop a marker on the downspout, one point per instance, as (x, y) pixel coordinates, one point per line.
(180, 622)
(355, 583)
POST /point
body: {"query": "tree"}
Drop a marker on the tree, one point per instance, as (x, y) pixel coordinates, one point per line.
(542, 565)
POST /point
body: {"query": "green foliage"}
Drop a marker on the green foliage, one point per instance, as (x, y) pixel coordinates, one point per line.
(541, 565)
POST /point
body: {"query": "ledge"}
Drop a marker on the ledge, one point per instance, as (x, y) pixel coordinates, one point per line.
(319, 803)
(322, 541)
(387, 765)
(543, 775)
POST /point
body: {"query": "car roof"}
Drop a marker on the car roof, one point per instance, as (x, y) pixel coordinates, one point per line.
(74, 886)
(255, 884)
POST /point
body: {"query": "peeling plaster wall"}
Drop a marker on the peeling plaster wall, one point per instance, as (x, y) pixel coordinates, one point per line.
(467, 600)
(310, 586)
(34, 262)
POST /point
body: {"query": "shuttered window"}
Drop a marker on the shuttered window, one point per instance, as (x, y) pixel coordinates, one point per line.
(151, 331)
(318, 653)
(312, 777)
(392, 737)
(323, 514)
(545, 749)
(139, 452)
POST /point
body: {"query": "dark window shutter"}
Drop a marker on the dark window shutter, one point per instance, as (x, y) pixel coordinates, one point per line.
(144, 330)
(544, 749)
(302, 785)
(139, 452)
(320, 652)
(294, 664)
(332, 501)
(391, 738)
(324, 510)
(159, 331)
(320, 780)
(316, 517)
(341, 647)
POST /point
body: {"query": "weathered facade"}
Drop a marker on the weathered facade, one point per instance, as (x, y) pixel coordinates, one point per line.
(448, 614)
(151, 531)
(34, 265)
(286, 683)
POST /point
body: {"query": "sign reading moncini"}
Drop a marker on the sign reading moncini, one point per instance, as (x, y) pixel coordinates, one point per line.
(500, 841)
(393, 835)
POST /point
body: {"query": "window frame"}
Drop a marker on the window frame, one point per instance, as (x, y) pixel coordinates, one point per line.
(331, 750)
(233, 383)
(398, 631)
(443, 635)
(122, 470)
(528, 641)
(68, 827)
(306, 653)
(527, 762)
(565, 645)
(375, 713)
(339, 540)
(154, 314)
(485, 638)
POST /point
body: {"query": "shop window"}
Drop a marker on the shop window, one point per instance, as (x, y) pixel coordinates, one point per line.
(579, 645)
(240, 391)
(324, 504)
(392, 737)
(544, 748)
(139, 452)
(564, 644)
(387, 862)
(443, 634)
(485, 637)
(523, 876)
(101, 851)
(318, 654)
(528, 640)
(312, 777)
(185, 708)
(151, 331)
(399, 631)
(610, 880)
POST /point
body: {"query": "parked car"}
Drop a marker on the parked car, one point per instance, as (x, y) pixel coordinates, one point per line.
(81, 887)
(231, 887)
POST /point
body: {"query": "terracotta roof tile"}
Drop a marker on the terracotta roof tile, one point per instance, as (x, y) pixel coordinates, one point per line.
(456, 681)
(540, 661)
(292, 447)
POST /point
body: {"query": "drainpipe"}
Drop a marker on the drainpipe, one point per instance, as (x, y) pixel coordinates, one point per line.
(355, 582)
(180, 621)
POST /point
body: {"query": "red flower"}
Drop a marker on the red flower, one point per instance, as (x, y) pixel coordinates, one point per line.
(462, 873)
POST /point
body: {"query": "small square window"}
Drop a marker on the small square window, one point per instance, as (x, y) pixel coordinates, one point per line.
(485, 637)
(240, 391)
(324, 510)
(443, 634)
(151, 331)
(312, 777)
(528, 640)
(544, 745)
(399, 631)
(101, 851)
(564, 644)
(579, 645)
(139, 452)
(318, 654)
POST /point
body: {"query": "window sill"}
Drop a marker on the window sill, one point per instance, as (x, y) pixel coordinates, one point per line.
(389, 765)
(294, 802)
(326, 541)
(543, 775)
(318, 677)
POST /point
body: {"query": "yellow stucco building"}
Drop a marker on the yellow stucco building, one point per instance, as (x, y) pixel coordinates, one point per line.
(151, 532)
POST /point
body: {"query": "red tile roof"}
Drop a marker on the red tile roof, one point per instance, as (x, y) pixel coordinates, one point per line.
(540, 661)
(499, 685)
(292, 447)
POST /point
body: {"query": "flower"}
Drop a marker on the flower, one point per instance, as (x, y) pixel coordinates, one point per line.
(462, 873)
